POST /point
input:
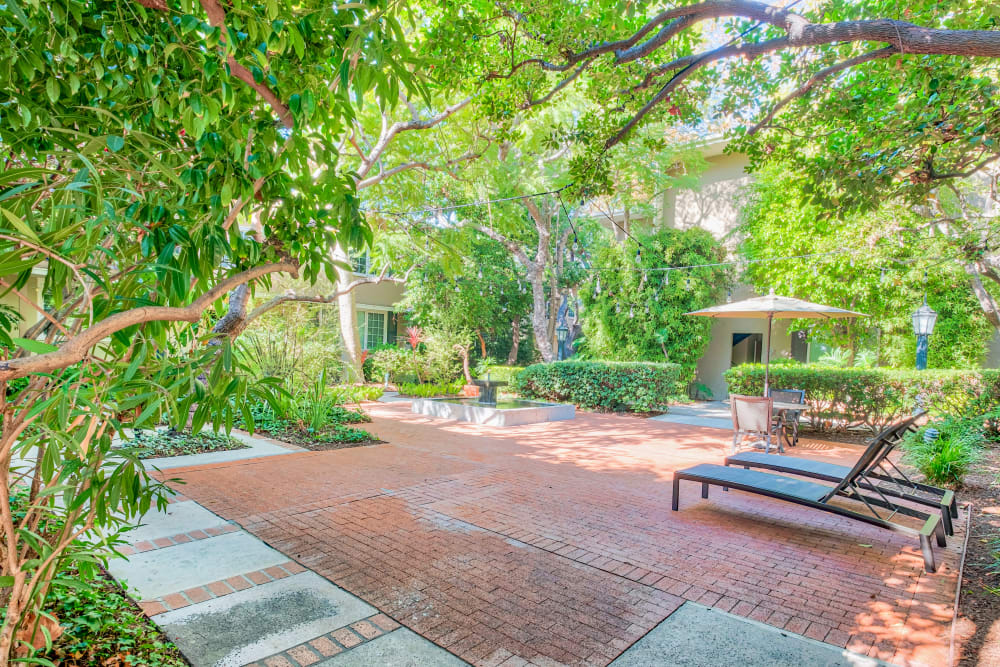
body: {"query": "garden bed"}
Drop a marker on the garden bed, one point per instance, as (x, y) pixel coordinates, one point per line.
(337, 430)
(159, 444)
(103, 625)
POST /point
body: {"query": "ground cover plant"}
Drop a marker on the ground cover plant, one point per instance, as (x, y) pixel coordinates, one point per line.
(156, 444)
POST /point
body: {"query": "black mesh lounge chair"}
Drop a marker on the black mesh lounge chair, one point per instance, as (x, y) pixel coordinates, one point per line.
(818, 496)
(881, 477)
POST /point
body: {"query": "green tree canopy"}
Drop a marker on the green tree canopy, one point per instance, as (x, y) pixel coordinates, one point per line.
(873, 268)
(633, 310)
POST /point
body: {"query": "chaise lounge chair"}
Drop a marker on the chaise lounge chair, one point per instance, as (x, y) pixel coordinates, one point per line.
(819, 496)
(882, 475)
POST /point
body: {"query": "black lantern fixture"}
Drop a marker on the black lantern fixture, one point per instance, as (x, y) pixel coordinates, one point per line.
(923, 326)
(561, 333)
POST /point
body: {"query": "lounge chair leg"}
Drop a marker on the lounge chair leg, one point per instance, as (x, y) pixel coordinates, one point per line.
(735, 438)
(954, 508)
(939, 531)
(677, 491)
(704, 490)
(946, 521)
(925, 547)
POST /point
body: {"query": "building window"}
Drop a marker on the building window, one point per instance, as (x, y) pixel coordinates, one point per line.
(362, 263)
(371, 328)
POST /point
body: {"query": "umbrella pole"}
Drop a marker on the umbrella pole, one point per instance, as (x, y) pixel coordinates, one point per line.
(767, 356)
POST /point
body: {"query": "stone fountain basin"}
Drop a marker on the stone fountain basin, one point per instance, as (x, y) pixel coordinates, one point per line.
(503, 413)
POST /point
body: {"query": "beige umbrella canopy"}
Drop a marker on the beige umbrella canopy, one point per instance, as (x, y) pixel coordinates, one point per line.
(771, 307)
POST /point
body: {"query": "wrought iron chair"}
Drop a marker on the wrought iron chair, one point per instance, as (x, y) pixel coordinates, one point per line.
(789, 419)
(752, 419)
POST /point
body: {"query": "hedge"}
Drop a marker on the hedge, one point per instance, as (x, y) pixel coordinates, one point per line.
(873, 396)
(503, 373)
(603, 385)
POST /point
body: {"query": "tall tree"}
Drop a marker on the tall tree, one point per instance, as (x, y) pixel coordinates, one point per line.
(865, 263)
(137, 137)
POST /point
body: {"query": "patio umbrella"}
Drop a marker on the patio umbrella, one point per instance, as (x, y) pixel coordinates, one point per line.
(772, 306)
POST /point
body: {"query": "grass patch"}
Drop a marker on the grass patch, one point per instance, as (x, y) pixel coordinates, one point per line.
(158, 444)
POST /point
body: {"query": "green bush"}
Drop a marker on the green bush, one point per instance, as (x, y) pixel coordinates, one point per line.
(157, 444)
(603, 385)
(499, 373)
(431, 389)
(356, 393)
(873, 396)
(946, 459)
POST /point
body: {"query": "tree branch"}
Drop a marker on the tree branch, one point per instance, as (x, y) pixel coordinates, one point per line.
(818, 77)
(77, 348)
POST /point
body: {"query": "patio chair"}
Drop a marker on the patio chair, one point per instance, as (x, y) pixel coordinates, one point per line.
(820, 496)
(789, 417)
(752, 419)
(882, 475)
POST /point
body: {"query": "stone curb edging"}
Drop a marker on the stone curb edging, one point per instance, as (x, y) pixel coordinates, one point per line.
(179, 538)
(331, 643)
(216, 589)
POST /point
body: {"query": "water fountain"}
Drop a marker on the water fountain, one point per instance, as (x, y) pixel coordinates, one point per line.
(486, 409)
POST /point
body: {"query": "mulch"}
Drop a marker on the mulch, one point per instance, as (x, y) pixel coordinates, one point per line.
(979, 607)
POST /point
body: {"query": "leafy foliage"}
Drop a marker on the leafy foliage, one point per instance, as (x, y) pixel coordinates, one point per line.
(430, 390)
(633, 313)
(103, 626)
(873, 397)
(157, 444)
(881, 274)
(601, 385)
(946, 458)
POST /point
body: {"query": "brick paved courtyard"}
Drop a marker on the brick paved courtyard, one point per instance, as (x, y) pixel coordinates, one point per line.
(555, 543)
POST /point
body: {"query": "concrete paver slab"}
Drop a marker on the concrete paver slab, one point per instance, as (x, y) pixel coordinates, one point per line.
(157, 573)
(261, 621)
(181, 517)
(400, 648)
(698, 636)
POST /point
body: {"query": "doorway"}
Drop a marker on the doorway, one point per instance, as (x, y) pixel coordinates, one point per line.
(747, 348)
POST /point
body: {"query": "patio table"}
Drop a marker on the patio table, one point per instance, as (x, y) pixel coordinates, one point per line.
(781, 407)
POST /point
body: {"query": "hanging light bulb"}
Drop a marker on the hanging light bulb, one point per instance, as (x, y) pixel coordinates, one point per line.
(638, 255)
(647, 309)
(631, 311)
(480, 273)
(618, 308)
(597, 286)
(687, 283)
(480, 292)
(729, 296)
(882, 277)
(456, 288)
(666, 278)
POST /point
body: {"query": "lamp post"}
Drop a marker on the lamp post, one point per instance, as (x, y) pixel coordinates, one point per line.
(561, 333)
(923, 327)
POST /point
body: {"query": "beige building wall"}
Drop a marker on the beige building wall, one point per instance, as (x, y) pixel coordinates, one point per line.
(715, 205)
(33, 291)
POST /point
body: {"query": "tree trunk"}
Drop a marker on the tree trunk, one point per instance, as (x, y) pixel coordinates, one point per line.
(482, 344)
(463, 352)
(515, 336)
(540, 316)
(986, 300)
(348, 317)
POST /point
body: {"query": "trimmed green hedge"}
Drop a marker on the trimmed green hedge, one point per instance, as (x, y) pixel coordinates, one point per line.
(603, 385)
(503, 373)
(873, 396)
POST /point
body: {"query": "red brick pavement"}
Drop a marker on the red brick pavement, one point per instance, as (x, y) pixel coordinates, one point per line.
(557, 541)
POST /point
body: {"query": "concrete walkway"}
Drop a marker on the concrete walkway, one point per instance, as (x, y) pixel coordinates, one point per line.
(227, 599)
(708, 414)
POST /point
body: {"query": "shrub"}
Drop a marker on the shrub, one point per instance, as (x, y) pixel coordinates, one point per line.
(499, 373)
(356, 393)
(873, 396)
(431, 389)
(946, 459)
(603, 385)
